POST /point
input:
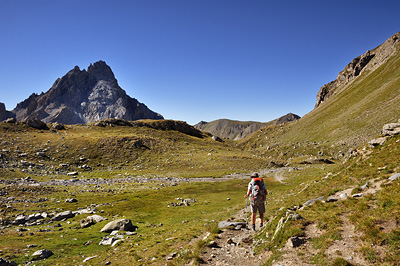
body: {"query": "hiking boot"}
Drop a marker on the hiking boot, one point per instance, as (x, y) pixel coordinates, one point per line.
(261, 225)
(254, 227)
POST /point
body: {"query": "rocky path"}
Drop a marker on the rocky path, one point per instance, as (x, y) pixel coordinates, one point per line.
(234, 247)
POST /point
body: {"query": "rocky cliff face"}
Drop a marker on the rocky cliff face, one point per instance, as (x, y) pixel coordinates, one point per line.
(369, 61)
(82, 97)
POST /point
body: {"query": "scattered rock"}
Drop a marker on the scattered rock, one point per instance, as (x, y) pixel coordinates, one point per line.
(312, 201)
(391, 129)
(42, 254)
(11, 120)
(41, 154)
(4, 262)
(213, 244)
(172, 256)
(394, 177)
(295, 242)
(358, 195)
(107, 240)
(120, 225)
(87, 222)
(72, 200)
(365, 186)
(378, 141)
(96, 218)
(216, 138)
(89, 258)
(331, 199)
(72, 174)
(343, 196)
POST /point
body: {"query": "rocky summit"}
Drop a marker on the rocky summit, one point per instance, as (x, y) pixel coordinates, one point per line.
(84, 96)
(369, 61)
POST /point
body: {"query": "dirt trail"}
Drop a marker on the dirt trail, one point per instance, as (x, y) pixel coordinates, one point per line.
(235, 247)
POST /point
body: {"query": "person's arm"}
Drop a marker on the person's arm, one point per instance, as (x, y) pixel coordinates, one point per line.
(248, 193)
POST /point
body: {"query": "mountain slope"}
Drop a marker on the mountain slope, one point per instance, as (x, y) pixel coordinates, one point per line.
(84, 97)
(236, 130)
(352, 115)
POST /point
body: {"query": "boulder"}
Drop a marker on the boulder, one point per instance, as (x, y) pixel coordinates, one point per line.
(38, 124)
(63, 215)
(391, 129)
(378, 141)
(58, 126)
(42, 254)
(120, 225)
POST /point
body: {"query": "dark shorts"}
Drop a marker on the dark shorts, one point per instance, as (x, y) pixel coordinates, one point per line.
(257, 206)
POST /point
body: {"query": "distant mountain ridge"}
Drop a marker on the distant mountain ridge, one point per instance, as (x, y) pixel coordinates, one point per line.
(83, 96)
(236, 130)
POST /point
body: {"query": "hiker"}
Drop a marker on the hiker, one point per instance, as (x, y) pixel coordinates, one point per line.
(257, 192)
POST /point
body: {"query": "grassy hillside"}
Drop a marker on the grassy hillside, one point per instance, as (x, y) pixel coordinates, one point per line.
(345, 121)
(148, 148)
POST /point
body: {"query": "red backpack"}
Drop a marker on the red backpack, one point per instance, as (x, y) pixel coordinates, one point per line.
(256, 191)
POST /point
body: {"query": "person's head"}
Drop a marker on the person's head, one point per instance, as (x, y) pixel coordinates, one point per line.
(254, 175)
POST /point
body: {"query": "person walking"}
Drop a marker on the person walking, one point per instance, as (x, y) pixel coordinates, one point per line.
(257, 192)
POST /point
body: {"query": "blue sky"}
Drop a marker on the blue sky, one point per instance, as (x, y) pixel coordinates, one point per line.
(193, 60)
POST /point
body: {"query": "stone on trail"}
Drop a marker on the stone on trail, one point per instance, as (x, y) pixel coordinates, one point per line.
(358, 195)
(227, 224)
(120, 225)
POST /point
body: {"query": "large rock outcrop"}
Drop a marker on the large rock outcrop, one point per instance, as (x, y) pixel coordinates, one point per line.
(82, 97)
(4, 114)
(369, 61)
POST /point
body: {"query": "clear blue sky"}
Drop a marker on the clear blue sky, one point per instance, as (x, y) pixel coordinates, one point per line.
(193, 60)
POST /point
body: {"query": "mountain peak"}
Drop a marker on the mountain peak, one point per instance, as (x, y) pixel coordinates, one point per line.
(101, 71)
(83, 96)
